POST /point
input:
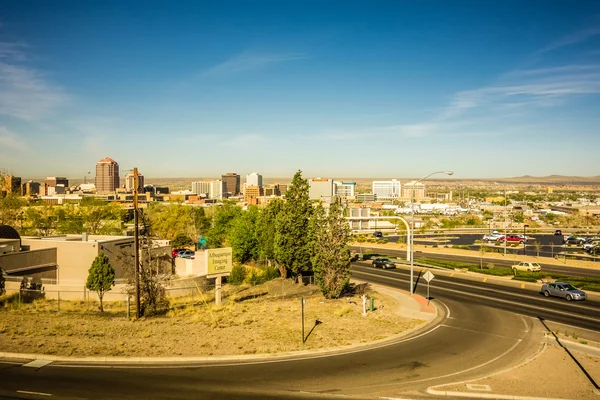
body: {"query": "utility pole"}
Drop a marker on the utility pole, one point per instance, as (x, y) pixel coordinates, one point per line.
(136, 245)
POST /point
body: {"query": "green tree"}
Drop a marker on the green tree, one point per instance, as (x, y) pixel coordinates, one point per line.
(101, 218)
(219, 233)
(101, 277)
(182, 240)
(331, 255)
(10, 209)
(292, 247)
(244, 240)
(69, 219)
(41, 219)
(266, 230)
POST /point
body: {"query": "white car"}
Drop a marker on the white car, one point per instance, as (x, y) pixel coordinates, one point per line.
(527, 266)
(493, 237)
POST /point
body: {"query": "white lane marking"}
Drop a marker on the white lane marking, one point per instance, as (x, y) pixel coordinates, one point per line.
(479, 332)
(525, 323)
(34, 393)
(37, 363)
(522, 305)
(191, 364)
(447, 309)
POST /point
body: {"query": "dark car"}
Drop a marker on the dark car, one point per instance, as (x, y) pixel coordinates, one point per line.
(378, 234)
(574, 240)
(384, 263)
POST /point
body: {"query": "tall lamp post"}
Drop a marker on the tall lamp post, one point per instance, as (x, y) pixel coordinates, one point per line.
(412, 232)
(524, 238)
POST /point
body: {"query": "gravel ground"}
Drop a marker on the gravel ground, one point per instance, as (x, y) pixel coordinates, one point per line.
(245, 324)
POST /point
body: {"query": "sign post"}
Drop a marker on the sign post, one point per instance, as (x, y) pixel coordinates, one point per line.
(428, 276)
(219, 264)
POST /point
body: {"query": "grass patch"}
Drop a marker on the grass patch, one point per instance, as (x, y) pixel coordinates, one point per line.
(487, 269)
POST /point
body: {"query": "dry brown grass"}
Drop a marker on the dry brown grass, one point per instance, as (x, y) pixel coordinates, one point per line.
(252, 320)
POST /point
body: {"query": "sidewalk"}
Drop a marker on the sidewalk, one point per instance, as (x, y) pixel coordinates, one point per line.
(559, 370)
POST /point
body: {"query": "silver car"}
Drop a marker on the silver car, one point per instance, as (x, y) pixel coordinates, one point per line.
(563, 289)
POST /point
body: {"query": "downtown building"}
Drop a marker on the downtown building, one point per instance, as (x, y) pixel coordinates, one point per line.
(344, 190)
(320, 188)
(129, 182)
(387, 190)
(254, 179)
(107, 175)
(55, 185)
(413, 190)
(232, 183)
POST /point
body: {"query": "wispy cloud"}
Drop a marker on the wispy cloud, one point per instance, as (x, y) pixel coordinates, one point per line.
(543, 87)
(574, 38)
(25, 93)
(14, 51)
(249, 61)
(10, 141)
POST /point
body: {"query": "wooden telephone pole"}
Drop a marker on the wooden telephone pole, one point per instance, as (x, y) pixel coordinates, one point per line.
(136, 246)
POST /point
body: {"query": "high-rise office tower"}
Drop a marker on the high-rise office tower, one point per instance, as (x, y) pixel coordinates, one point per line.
(232, 183)
(254, 179)
(107, 175)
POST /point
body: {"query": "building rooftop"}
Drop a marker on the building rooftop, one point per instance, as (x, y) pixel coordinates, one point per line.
(107, 160)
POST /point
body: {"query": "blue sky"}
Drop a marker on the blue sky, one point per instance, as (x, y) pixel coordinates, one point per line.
(337, 89)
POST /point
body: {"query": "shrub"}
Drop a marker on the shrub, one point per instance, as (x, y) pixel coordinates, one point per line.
(238, 274)
(270, 272)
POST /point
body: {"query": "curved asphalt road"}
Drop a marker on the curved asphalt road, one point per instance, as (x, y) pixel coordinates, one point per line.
(479, 333)
(472, 340)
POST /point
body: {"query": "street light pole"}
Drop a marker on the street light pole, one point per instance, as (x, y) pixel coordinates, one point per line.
(505, 217)
(412, 232)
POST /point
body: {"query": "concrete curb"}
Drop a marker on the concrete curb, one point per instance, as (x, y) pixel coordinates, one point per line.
(426, 327)
(486, 395)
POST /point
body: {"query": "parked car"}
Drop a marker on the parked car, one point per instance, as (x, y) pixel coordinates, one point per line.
(492, 237)
(587, 246)
(558, 232)
(513, 239)
(564, 290)
(574, 240)
(384, 263)
(174, 252)
(594, 251)
(378, 234)
(527, 266)
(189, 254)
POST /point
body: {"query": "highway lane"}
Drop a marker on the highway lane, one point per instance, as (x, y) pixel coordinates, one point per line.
(584, 314)
(565, 270)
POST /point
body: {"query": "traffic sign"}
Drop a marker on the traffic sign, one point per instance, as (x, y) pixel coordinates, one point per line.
(428, 276)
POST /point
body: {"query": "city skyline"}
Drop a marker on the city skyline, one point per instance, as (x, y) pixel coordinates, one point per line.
(490, 90)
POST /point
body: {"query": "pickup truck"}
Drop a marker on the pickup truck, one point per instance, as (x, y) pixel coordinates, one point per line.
(514, 239)
(527, 266)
